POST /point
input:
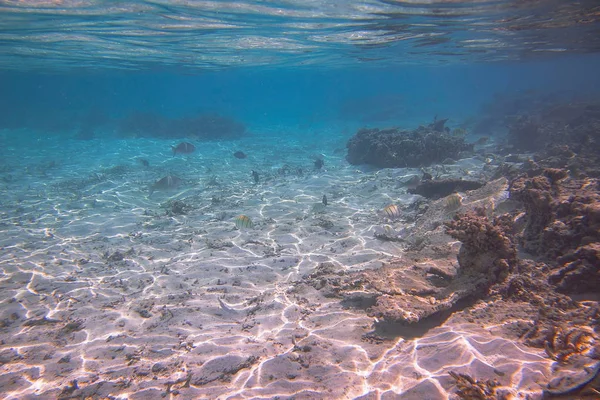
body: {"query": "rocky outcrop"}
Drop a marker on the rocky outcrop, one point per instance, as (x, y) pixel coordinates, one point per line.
(562, 216)
(392, 148)
(574, 125)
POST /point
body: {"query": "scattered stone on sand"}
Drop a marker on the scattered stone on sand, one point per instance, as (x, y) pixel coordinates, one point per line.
(183, 148)
(444, 187)
(429, 282)
(178, 207)
(400, 293)
(222, 369)
(555, 218)
(470, 389)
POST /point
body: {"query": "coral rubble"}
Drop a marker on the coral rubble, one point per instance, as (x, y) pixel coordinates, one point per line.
(471, 389)
(563, 226)
(409, 292)
(444, 187)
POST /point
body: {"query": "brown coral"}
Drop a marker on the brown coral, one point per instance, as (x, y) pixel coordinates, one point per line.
(581, 270)
(563, 224)
(565, 343)
(486, 247)
(471, 389)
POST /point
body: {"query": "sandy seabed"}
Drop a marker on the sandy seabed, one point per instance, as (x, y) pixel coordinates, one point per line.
(108, 293)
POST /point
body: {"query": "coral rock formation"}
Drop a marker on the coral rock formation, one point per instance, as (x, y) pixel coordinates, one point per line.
(563, 225)
(486, 248)
(393, 147)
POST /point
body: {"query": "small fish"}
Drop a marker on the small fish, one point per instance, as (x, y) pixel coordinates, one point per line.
(255, 176)
(243, 221)
(392, 211)
(386, 232)
(319, 163)
(453, 201)
(482, 140)
(168, 182)
(183, 148)
(324, 200)
(144, 162)
(413, 182)
(461, 132)
(240, 154)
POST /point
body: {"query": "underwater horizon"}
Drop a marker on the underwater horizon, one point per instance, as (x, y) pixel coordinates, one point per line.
(300, 199)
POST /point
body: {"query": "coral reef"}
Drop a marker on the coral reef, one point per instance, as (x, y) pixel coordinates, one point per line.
(575, 125)
(411, 291)
(536, 268)
(563, 226)
(397, 148)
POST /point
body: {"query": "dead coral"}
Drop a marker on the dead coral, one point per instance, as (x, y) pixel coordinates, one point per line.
(573, 124)
(567, 342)
(580, 272)
(471, 389)
(486, 247)
(537, 197)
(561, 214)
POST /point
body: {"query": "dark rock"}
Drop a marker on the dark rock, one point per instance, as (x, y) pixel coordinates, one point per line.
(581, 271)
(444, 187)
(393, 148)
(116, 256)
(183, 148)
(178, 207)
(222, 369)
(158, 368)
(143, 313)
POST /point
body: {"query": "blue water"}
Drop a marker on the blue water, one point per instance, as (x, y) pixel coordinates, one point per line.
(405, 96)
(285, 62)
